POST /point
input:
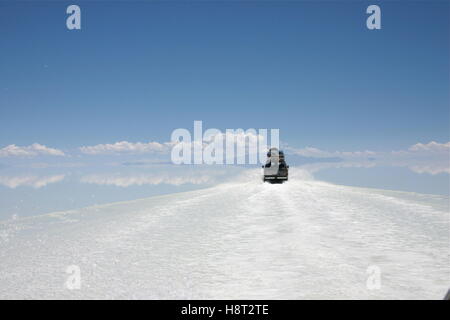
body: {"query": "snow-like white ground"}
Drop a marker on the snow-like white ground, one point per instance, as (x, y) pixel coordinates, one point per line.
(305, 239)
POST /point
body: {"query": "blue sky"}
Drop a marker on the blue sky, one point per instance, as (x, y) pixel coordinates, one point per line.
(354, 106)
(138, 70)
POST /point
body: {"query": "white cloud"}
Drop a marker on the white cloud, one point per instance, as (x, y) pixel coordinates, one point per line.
(315, 167)
(432, 169)
(126, 147)
(139, 180)
(29, 181)
(431, 158)
(29, 151)
(317, 153)
(240, 138)
(431, 147)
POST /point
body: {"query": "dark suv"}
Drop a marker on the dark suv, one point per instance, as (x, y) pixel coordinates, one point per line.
(275, 170)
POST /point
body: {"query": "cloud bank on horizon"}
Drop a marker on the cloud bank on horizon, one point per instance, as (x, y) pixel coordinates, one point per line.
(126, 147)
(432, 157)
(33, 150)
(33, 181)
